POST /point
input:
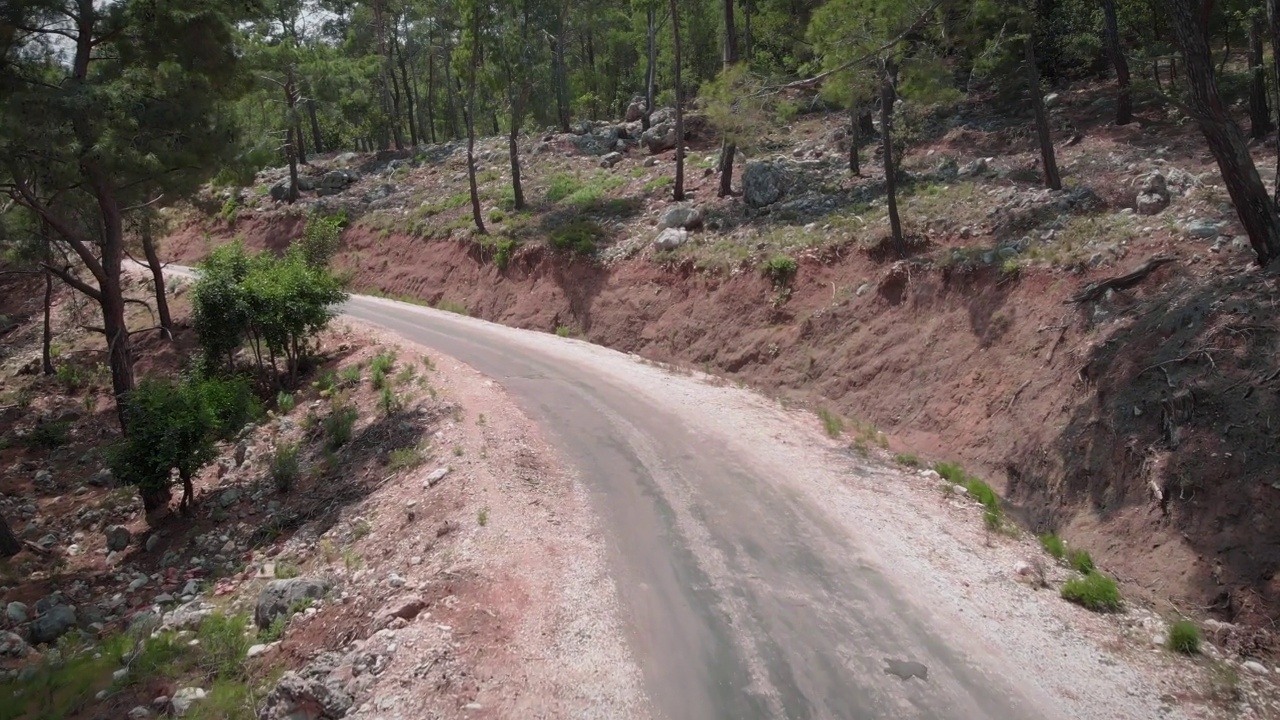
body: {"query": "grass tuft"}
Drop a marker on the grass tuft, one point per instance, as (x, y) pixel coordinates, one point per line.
(908, 460)
(1184, 637)
(1080, 561)
(831, 422)
(1053, 545)
(1093, 591)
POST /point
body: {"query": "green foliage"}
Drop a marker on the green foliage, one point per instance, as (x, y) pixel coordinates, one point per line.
(405, 458)
(1094, 591)
(979, 489)
(1184, 637)
(285, 466)
(172, 426)
(327, 379)
(781, 270)
(564, 330)
(230, 210)
(832, 423)
(48, 434)
(389, 402)
(579, 236)
(349, 376)
(321, 238)
(1080, 561)
(561, 186)
(908, 460)
(71, 377)
(379, 368)
(232, 402)
(285, 402)
(223, 645)
(1054, 545)
(502, 255)
(286, 570)
(339, 425)
(275, 630)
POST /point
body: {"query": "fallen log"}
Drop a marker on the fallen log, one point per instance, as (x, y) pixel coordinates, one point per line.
(1093, 291)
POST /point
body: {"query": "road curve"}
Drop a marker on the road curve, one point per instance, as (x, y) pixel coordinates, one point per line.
(746, 596)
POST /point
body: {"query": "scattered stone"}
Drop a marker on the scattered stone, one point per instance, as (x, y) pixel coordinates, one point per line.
(435, 477)
(183, 699)
(296, 697)
(229, 497)
(256, 650)
(139, 713)
(975, 168)
(164, 598)
(660, 137)
(102, 478)
(671, 238)
(53, 624)
(395, 581)
(120, 674)
(611, 159)
(192, 587)
(188, 615)
(1022, 568)
(683, 215)
(118, 537)
(1051, 100)
(650, 161)
(948, 169)
(762, 183)
(152, 541)
(635, 111)
(1204, 228)
(473, 706)
(48, 541)
(17, 612)
(139, 583)
(1153, 195)
(12, 645)
(280, 595)
(1255, 667)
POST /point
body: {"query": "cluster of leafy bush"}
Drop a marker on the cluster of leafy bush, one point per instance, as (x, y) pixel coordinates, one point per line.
(272, 305)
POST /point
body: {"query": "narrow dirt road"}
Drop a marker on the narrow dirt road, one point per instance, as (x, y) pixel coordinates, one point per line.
(753, 558)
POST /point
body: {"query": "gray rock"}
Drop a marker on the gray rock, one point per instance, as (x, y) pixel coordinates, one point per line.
(671, 238)
(12, 645)
(139, 713)
(188, 615)
(242, 449)
(280, 191)
(435, 477)
(381, 192)
(44, 479)
(635, 111)
(948, 169)
(118, 537)
(229, 497)
(660, 137)
(53, 624)
(256, 650)
(681, 216)
(153, 540)
(183, 699)
(303, 698)
(279, 595)
(975, 168)
(1151, 204)
(306, 183)
(102, 478)
(1205, 228)
(611, 159)
(1051, 100)
(336, 180)
(650, 161)
(17, 612)
(1255, 667)
(763, 183)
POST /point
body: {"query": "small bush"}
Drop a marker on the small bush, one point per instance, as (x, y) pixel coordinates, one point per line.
(327, 380)
(223, 646)
(1053, 545)
(1184, 637)
(275, 630)
(562, 185)
(232, 402)
(579, 236)
(383, 362)
(406, 375)
(1080, 561)
(404, 459)
(502, 256)
(907, 460)
(563, 330)
(339, 425)
(1094, 591)
(452, 306)
(350, 376)
(321, 238)
(831, 422)
(286, 570)
(48, 434)
(71, 377)
(978, 488)
(285, 467)
(781, 270)
(389, 401)
(284, 402)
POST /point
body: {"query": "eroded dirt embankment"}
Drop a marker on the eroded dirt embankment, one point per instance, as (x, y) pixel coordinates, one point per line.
(1141, 427)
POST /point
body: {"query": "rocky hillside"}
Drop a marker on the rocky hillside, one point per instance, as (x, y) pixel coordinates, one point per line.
(1133, 419)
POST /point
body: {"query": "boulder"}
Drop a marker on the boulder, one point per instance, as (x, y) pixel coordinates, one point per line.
(306, 182)
(301, 698)
(139, 713)
(118, 538)
(102, 478)
(279, 595)
(683, 215)
(671, 238)
(336, 180)
(17, 612)
(1153, 196)
(53, 624)
(763, 183)
(948, 169)
(1204, 228)
(183, 699)
(610, 160)
(188, 616)
(12, 645)
(635, 111)
(660, 137)
(280, 191)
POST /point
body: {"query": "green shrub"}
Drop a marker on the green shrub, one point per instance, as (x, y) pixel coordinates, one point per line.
(226, 700)
(561, 186)
(579, 236)
(71, 377)
(978, 488)
(1053, 545)
(48, 434)
(223, 645)
(1080, 561)
(780, 269)
(831, 422)
(328, 379)
(171, 426)
(1093, 591)
(339, 425)
(319, 241)
(405, 459)
(232, 402)
(284, 402)
(230, 209)
(350, 376)
(379, 368)
(285, 466)
(564, 330)
(1184, 637)
(452, 306)
(286, 570)
(502, 256)
(389, 401)
(907, 460)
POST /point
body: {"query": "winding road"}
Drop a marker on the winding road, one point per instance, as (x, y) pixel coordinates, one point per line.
(758, 572)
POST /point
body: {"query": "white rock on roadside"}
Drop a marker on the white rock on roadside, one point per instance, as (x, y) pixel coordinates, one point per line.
(182, 700)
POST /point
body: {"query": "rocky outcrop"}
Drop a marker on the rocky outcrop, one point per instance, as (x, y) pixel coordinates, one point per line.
(763, 183)
(279, 596)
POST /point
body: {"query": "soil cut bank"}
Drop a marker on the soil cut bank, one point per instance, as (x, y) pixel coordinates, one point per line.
(1136, 426)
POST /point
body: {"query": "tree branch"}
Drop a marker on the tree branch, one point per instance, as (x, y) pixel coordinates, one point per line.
(65, 275)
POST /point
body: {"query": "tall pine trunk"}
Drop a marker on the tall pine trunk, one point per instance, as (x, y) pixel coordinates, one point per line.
(1111, 30)
(727, 148)
(561, 72)
(1052, 179)
(1273, 22)
(678, 190)
(1256, 209)
(46, 344)
(651, 65)
(157, 275)
(887, 97)
(470, 117)
(855, 138)
(1259, 108)
(317, 141)
(513, 148)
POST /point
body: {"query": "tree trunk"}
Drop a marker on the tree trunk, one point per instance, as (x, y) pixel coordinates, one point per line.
(46, 346)
(678, 190)
(408, 96)
(157, 275)
(292, 156)
(746, 30)
(469, 117)
(317, 143)
(1259, 110)
(561, 73)
(855, 138)
(513, 147)
(1124, 99)
(727, 149)
(9, 545)
(1255, 208)
(1273, 21)
(890, 166)
(651, 65)
(1052, 179)
(431, 91)
(451, 96)
(291, 128)
(119, 348)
